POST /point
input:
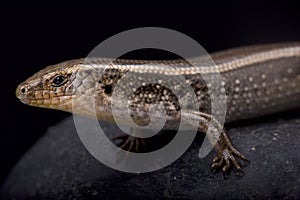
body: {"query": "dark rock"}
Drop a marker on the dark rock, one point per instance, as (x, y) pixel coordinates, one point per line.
(59, 167)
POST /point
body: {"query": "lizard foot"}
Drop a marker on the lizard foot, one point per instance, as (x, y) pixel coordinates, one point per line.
(226, 156)
(129, 142)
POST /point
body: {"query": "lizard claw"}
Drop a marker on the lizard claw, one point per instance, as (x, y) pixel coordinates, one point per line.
(224, 162)
(226, 157)
(130, 142)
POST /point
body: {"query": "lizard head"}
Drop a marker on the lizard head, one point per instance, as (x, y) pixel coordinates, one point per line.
(51, 87)
(70, 86)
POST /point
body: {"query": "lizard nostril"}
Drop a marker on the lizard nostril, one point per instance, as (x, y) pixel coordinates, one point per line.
(23, 90)
(22, 93)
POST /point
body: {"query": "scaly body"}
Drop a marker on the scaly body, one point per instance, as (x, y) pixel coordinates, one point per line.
(257, 80)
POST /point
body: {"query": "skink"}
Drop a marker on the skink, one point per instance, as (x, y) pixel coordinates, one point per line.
(257, 80)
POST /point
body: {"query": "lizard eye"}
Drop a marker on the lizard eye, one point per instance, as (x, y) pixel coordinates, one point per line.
(59, 80)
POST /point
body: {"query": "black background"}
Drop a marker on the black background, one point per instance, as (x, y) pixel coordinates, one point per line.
(32, 38)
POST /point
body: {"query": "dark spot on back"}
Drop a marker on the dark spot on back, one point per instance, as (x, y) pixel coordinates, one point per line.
(108, 89)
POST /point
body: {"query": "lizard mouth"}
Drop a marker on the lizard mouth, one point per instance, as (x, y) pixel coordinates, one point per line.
(24, 100)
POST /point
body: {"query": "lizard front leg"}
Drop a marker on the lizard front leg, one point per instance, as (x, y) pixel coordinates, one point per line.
(226, 155)
(222, 145)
